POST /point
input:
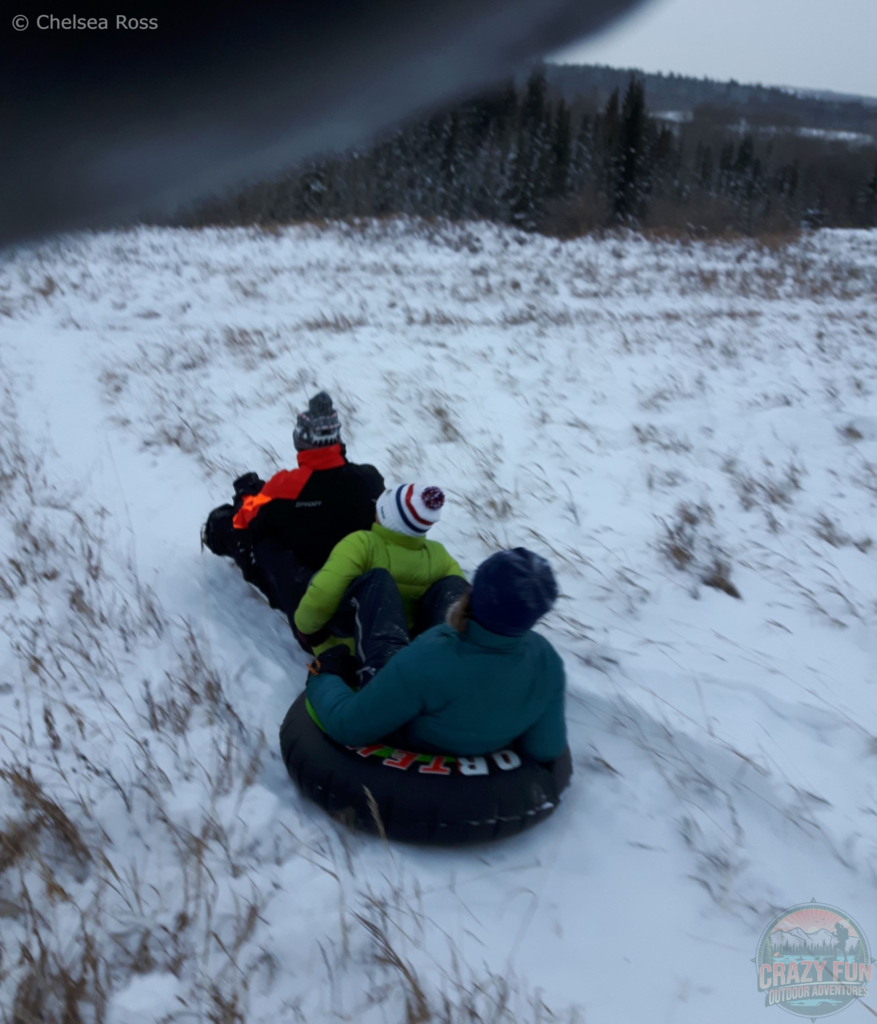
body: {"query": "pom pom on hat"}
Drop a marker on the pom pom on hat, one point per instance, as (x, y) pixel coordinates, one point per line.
(410, 508)
(433, 498)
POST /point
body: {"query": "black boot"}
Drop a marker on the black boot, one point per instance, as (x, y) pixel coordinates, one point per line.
(217, 533)
(220, 536)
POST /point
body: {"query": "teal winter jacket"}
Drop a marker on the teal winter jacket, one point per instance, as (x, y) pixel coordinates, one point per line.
(455, 693)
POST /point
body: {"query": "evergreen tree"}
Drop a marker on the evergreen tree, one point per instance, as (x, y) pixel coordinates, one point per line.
(433, 150)
(581, 170)
(498, 157)
(786, 187)
(632, 164)
(745, 157)
(726, 164)
(529, 183)
(382, 176)
(705, 168)
(609, 140)
(663, 162)
(451, 184)
(870, 202)
(561, 152)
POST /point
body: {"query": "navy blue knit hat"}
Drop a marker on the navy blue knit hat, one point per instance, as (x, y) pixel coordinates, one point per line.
(511, 591)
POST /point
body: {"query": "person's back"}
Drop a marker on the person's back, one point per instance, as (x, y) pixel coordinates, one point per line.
(280, 533)
(309, 516)
(481, 691)
(307, 510)
(470, 687)
(380, 585)
(414, 563)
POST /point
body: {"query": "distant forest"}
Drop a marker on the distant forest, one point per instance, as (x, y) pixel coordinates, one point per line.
(550, 154)
(756, 104)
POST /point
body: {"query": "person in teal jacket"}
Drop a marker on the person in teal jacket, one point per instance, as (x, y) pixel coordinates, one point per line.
(472, 686)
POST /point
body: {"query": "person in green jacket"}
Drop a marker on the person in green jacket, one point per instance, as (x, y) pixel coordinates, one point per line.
(477, 684)
(380, 586)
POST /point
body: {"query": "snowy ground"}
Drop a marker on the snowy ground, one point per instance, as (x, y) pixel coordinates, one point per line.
(650, 415)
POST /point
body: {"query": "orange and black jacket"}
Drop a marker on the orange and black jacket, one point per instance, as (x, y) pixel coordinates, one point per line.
(309, 509)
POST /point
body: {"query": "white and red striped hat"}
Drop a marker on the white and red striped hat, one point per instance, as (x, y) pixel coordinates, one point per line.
(410, 508)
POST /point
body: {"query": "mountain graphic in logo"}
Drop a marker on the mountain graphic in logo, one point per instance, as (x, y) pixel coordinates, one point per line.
(796, 939)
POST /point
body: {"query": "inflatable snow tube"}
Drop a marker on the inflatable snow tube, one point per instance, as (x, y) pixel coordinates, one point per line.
(420, 798)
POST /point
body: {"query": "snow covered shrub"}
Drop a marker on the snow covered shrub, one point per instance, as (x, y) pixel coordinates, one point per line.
(689, 543)
(769, 489)
(828, 530)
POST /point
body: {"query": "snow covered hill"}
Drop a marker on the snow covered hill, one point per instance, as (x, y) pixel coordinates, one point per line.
(687, 431)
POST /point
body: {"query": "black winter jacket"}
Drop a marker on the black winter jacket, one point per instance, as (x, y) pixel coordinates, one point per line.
(309, 509)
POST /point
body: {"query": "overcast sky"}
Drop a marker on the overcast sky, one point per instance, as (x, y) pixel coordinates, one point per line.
(816, 44)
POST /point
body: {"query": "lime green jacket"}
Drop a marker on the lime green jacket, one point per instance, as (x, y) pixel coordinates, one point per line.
(415, 563)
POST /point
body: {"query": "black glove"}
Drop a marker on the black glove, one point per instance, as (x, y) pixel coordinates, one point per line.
(248, 484)
(337, 661)
(311, 640)
(304, 641)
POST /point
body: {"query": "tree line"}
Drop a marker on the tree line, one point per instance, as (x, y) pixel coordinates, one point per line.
(757, 104)
(526, 156)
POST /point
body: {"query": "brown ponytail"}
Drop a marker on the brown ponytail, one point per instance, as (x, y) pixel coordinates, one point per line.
(460, 613)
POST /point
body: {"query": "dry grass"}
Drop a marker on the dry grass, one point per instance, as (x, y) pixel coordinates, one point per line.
(398, 930)
(867, 476)
(63, 954)
(688, 543)
(437, 318)
(771, 488)
(828, 530)
(336, 323)
(664, 440)
(539, 316)
(445, 422)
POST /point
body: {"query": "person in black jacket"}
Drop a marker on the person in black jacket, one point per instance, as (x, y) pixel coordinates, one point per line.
(281, 532)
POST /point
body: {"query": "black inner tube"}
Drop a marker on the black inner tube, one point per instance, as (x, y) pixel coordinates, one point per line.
(420, 798)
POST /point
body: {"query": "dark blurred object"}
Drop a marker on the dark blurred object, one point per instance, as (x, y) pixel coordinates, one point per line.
(99, 125)
(311, 640)
(337, 661)
(248, 484)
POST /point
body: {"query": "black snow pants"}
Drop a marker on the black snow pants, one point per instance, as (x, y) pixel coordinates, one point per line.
(286, 578)
(372, 612)
(266, 563)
